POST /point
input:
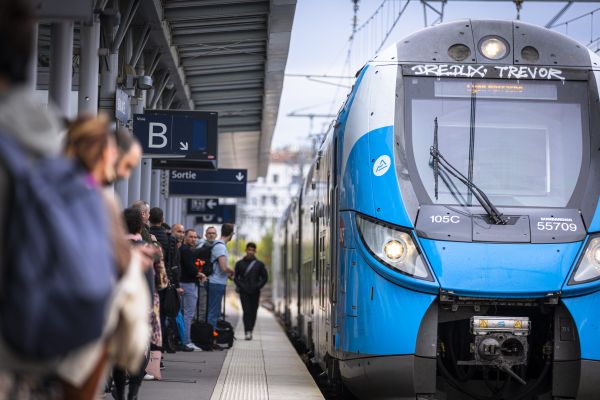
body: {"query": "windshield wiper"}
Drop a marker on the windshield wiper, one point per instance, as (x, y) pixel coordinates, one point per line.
(439, 161)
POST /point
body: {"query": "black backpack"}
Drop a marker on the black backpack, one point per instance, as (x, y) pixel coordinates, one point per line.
(203, 259)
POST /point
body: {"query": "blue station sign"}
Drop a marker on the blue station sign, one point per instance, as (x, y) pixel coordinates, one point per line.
(224, 214)
(187, 138)
(219, 183)
(201, 206)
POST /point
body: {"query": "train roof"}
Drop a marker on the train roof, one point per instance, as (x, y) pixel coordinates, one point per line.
(433, 44)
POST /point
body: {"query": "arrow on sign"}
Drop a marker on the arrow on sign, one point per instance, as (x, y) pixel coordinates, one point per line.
(183, 146)
(211, 204)
(239, 176)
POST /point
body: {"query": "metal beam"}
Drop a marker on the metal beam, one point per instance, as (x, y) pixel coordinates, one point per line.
(236, 77)
(215, 9)
(554, 19)
(140, 46)
(153, 13)
(223, 37)
(124, 25)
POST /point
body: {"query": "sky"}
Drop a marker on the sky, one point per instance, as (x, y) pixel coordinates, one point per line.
(320, 42)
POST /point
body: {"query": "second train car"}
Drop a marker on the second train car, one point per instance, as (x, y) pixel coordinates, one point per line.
(446, 241)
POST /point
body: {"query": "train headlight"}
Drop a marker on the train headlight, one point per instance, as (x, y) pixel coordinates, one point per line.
(393, 247)
(493, 48)
(394, 250)
(588, 268)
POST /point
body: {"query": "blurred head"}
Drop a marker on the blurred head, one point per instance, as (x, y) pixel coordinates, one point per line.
(156, 216)
(90, 142)
(211, 234)
(130, 153)
(251, 250)
(177, 232)
(133, 220)
(16, 38)
(227, 232)
(190, 237)
(144, 208)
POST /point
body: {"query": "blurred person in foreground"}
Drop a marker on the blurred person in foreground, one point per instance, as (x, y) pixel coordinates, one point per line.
(76, 373)
(90, 142)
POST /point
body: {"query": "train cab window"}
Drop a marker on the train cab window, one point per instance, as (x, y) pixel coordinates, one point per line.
(521, 142)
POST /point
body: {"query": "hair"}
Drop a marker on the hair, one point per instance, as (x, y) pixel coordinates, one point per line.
(87, 138)
(226, 230)
(133, 220)
(156, 216)
(125, 141)
(251, 245)
(211, 227)
(188, 231)
(16, 39)
(139, 204)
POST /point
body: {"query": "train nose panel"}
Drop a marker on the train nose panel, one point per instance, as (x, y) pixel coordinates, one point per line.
(499, 269)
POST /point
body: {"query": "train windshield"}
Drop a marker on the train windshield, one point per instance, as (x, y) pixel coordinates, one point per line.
(521, 142)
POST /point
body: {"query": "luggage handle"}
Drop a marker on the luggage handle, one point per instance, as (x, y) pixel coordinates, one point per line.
(198, 303)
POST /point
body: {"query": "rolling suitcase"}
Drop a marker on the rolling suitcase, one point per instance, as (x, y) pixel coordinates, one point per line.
(201, 332)
(225, 331)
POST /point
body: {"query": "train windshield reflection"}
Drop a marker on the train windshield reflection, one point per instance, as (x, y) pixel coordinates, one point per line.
(520, 141)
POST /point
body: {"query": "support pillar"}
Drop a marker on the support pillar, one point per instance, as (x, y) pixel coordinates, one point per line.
(121, 190)
(88, 68)
(61, 59)
(109, 75)
(135, 182)
(155, 188)
(146, 178)
(33, 61)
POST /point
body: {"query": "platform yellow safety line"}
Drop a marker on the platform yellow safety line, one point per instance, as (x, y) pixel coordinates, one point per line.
(266, 368)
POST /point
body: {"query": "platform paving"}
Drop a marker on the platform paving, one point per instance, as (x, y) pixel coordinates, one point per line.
(265, 368)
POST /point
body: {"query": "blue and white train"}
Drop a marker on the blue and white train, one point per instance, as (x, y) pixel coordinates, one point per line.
(446, 241)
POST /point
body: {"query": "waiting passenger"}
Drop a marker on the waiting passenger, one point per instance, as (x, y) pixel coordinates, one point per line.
(217, 281)
(144, 208)
(190, 278)
(250, 277)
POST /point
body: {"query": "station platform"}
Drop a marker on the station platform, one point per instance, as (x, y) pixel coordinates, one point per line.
(265, 368)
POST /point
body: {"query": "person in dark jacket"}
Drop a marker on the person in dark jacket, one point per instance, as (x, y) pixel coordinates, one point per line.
(156, 220)
(250, 276)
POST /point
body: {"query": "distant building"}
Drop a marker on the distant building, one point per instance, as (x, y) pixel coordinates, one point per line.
(268, 197)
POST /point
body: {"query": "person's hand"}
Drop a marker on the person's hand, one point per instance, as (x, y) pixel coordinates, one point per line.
(201, 277)
(179, 291)
(230, 274)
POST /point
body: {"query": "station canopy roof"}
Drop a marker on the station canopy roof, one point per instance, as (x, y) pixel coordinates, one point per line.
(227, 56)
(233, 53)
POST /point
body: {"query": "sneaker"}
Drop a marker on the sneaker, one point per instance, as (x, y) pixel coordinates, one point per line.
(148, 377)
(193, 347)
(162, 365)
(248, 335)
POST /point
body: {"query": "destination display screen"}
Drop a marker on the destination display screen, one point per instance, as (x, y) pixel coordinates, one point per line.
(495, 89)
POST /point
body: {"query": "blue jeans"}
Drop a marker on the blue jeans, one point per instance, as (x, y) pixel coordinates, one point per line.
(190, 299)
(215, 297)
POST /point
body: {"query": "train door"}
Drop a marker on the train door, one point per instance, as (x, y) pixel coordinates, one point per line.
(333, 245)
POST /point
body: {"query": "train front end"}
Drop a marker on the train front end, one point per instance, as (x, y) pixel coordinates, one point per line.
(470, 177)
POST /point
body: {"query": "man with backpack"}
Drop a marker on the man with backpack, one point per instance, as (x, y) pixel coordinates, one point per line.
(250, 277)
(217, 281)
